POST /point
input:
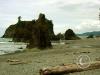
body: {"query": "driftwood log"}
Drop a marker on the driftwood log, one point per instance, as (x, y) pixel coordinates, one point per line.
(17, 62)
(67, 69)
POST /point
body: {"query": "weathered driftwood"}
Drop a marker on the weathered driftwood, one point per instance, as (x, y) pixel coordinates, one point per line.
(70, 68)
(16, 62)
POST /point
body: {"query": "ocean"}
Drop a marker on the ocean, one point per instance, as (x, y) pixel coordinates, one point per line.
(6, 46)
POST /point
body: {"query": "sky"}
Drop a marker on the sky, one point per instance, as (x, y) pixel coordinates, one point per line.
(79, 15)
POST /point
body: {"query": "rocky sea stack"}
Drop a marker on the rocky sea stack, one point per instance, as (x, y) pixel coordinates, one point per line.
(70, 35)
(37, 33)
(9, 32)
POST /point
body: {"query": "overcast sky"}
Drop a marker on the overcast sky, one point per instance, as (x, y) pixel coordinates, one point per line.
(79, 15)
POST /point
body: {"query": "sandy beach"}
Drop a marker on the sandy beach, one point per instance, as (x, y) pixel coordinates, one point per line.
(35, 59)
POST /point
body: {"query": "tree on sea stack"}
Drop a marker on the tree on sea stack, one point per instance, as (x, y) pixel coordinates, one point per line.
(40, 34)
(70, 35)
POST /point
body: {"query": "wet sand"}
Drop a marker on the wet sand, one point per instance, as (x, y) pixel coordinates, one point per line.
(36, 59)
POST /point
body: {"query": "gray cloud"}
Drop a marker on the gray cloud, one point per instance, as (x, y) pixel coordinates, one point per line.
(65, 14)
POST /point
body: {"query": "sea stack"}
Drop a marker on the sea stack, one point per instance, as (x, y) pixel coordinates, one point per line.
(70, 35)
(38, 33)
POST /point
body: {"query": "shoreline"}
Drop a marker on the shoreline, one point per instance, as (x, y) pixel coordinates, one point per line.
(32, 60)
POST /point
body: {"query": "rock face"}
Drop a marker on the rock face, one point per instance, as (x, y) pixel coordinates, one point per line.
(37, 33)
(41, 31)
(70, 35)
(23, 31)
(9, 32)
(60, 36)
(90, 36)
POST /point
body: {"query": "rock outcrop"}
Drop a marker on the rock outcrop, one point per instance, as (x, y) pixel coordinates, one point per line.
(70, 35)
(37, 33)
(24, 29)
(60, 36)
(9, 32)
(90, 36)
(42, 33)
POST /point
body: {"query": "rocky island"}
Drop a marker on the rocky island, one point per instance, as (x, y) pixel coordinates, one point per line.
(37, 33)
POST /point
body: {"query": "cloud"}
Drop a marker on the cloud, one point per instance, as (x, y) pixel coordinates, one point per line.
(74, 14)
(88, 26)
(85, 26)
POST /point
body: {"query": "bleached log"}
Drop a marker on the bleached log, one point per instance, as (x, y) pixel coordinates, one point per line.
(16, 62)
(69, 68)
